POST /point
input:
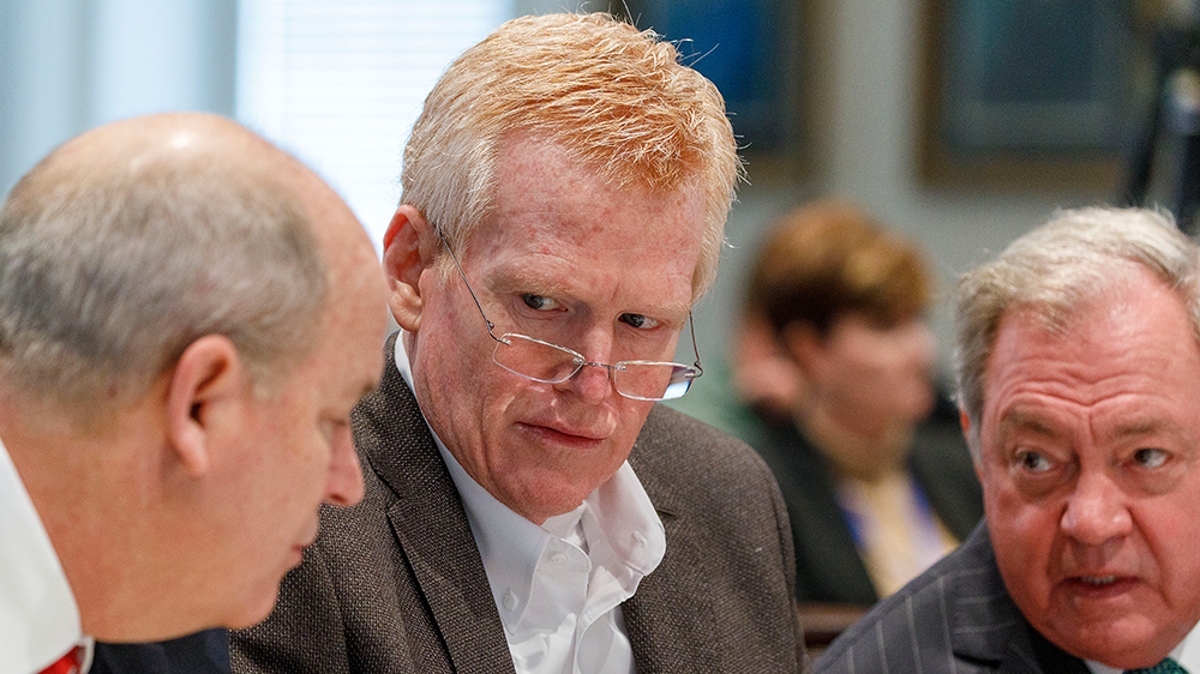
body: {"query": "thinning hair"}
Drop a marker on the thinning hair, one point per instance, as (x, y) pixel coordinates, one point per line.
(617, 99)
(1054, 272)
(827, 259)
(109, 270)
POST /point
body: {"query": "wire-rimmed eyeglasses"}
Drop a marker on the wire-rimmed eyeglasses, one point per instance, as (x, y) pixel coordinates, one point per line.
(548, 363)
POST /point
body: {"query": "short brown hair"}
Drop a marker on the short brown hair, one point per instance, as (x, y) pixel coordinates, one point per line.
(830, 258)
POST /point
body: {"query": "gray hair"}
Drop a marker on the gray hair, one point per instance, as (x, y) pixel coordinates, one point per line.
(1055, 270)
(108, 273)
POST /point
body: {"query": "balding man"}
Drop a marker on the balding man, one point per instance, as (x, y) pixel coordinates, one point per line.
(187, 317)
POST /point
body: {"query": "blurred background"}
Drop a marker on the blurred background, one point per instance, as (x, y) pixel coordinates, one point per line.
(961, 123)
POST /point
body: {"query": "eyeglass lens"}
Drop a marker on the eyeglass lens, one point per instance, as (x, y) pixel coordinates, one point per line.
(545, 362)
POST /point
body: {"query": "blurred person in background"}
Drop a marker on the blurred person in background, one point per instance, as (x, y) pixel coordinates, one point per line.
(834, 367)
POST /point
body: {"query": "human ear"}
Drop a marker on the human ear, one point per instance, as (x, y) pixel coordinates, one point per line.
(409, 249)
(804, 346)
(206, 378)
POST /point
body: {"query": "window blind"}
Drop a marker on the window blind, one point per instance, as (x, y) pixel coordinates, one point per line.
(339, 82)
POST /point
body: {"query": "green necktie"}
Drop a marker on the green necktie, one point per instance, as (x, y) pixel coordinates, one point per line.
(1167, 666)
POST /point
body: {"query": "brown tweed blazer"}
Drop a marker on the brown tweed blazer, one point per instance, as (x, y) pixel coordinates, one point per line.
(396, 584)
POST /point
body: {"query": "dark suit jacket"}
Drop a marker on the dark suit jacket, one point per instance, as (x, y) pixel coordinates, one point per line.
(956, 617)
(205, 652)
(828, 566)
(396, 583)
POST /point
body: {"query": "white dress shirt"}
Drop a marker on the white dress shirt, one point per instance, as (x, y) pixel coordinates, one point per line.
(559, 586)
(39, 620)
(1187, 654)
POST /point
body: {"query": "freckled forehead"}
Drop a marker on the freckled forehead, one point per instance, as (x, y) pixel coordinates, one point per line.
(538, 180)
(555, 222)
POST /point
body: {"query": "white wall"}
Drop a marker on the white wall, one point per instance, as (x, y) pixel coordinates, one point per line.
(69, 65)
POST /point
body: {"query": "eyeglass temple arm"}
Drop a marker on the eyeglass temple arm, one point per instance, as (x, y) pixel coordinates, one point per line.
(458, 266)
(695, 349)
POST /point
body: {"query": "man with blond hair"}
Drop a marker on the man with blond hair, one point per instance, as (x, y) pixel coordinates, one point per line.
(187, 317)
(528, 507)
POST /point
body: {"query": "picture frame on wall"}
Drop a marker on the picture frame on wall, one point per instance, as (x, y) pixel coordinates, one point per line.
(1027, 94)
(752, 50)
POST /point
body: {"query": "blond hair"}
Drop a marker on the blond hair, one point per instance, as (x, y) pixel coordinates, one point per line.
(616, 98)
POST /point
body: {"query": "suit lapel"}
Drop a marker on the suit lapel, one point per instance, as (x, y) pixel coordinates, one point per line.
(1051, 658)
(986, 626)
(670, 619)
(431, 525)
(825, 546)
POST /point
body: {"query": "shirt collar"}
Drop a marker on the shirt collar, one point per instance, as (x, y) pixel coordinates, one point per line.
(39, 619)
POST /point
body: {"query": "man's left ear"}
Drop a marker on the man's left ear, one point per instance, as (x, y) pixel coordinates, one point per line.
(207, 377)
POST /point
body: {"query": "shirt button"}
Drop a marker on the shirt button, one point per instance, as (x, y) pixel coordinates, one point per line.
(510, 600)
(558, 559)
(639, 540)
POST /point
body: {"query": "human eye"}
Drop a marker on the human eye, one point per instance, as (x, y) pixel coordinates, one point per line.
(639, 321)
(1033, 461)
(1150, 457)
(1037, 471)
(540, 302)
(1156, 469)
(331, 426)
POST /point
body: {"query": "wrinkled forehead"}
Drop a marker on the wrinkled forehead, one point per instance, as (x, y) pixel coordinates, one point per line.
(1133, 326)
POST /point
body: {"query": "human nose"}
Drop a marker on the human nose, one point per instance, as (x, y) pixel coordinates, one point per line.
(1096, 511)
(593, 382)
(345, 484)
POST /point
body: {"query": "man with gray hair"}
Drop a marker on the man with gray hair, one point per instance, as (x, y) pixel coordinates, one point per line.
(1079, 382)
(187, 317)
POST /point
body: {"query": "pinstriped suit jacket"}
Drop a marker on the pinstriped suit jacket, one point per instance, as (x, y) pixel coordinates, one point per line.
(957, 617)
(396, 584)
